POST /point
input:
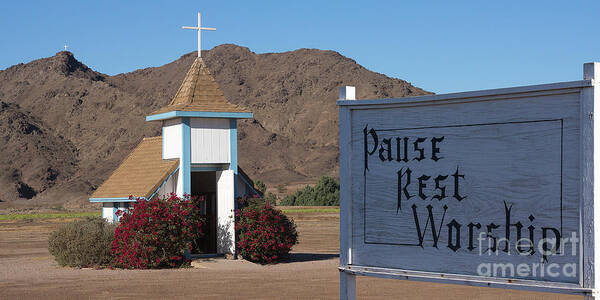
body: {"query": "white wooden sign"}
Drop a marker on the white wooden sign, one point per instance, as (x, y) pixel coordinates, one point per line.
(491, 188)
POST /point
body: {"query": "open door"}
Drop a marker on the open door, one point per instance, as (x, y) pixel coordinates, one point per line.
(204, 185)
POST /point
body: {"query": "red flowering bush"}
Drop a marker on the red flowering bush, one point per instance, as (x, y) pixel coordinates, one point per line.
(265, 234)
(156, 233)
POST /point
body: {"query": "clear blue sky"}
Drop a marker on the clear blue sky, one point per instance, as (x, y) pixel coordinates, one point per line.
(441, 46)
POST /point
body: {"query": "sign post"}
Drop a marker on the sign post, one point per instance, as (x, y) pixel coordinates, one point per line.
(347, 278)
(487, 188)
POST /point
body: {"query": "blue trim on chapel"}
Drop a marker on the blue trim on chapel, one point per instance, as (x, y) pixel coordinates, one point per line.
(115, 208)
(233, 146)
(199, 114)
(206, 169)
(250, 186)
(116, 199)
(186, 156)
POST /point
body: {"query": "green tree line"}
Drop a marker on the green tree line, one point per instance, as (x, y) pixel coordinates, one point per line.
(325, 193)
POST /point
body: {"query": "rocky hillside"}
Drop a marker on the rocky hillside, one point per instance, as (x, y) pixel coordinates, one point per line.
(65, 127)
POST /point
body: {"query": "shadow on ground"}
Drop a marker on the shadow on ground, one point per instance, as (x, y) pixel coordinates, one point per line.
(302, 257)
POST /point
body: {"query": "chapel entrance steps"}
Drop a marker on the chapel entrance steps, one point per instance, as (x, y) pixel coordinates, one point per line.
(204, 256)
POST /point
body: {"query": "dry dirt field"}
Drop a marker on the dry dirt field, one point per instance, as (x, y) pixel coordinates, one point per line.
(27, 271)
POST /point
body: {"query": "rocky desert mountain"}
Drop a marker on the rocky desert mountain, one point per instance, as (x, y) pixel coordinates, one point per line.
(65, 127)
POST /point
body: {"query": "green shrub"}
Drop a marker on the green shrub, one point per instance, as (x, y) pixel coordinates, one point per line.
(83, 243)
(325, 193)
(281, 188)
(254, 200)
(267, 196)
(265, 235)
(271, 198)
(260, 186)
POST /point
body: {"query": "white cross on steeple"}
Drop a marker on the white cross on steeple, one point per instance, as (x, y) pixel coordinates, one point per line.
(199, 28)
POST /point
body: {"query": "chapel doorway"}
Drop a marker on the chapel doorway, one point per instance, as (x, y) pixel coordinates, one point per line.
(204, 185)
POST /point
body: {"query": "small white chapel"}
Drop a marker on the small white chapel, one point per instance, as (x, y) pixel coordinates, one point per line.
(196, 155)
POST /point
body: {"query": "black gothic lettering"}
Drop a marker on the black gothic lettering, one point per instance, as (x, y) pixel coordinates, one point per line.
(403, 189)
(434, 149)
(420, 150)
(423, 185)
(434, 233)
(366, 145)
(491, 227)
(456, 176)
(456, 244)
(471, 225)
(442, 189)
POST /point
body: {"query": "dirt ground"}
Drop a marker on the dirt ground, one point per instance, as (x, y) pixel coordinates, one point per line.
(27, 271)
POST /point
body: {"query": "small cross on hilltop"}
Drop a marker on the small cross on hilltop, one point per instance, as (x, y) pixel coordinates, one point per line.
(65, 46)
(199, 28)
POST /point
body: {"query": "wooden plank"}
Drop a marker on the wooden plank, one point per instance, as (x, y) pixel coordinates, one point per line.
(210, 140)
(554, 87)
(347, 281)
(347, 286)
(441, 187)
(505, 157)
(590, 129)
(467, 280)
(172, 134)
(345, 188)
(225, 211)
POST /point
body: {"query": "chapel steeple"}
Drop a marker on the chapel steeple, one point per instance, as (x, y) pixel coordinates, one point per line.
(200, 92)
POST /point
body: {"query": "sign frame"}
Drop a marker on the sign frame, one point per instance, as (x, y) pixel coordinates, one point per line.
(589, 97)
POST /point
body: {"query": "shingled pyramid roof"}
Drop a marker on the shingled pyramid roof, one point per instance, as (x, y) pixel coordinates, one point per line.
(200, 92)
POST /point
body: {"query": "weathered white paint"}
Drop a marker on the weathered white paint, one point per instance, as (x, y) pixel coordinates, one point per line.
(107, 211)
(505, 157)
(172, 147)
(225, 211)
(347, 279)
(171, 138)
(169, 187)
(347, 93)
(210, 140)
(590, 173)
(527, 147)
(528, 285)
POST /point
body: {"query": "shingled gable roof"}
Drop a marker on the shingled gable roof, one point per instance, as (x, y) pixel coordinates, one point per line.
(140, 174)
(200, 92)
